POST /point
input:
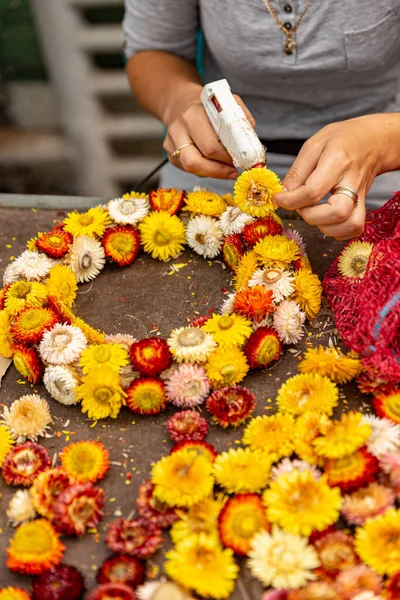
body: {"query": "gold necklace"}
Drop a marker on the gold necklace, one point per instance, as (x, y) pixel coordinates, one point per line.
(290, 44)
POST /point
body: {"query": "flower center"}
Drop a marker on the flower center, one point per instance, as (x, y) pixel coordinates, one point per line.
(26, 462)
(268, 350)
(394, 404)
(33, 320)
(228, 372)
(191, 389)
(359, 264)
(21, 289)
(127, 207)
(200, 238)
(56, 240)
(101, 354)
(82, 509)
(103, 395)
(191, 337)
(162, 237)
(257, 195)
(38, 543)
(85, 220)
(148, 398)
(271, 276)
(122, 243)
(246, 524)
(226, 322)
(61, 340)
(85, 261)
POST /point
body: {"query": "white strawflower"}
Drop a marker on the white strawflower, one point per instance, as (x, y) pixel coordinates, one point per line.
(161, 589)
(20, 508)
(287, 466)
(282, 560)
(385, 435)
(267, 321)
(62, 344)
(227, 307)
(11, 274)
(61, 383)
(122, 339)
(367, 595)
(191, 344)
(129, 211)
(279, 282)
(87, 258)
(128, 374)
(27, 418)
(32, 265)
(233, 220)
(288, 322)
(187, 386)
(204, 236)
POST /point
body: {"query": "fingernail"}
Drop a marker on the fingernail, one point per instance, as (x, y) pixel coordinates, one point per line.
(233, 175)
(285, 188)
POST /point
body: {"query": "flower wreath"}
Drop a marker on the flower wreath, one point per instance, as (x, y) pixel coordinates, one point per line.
(275, 291)
(278, 498)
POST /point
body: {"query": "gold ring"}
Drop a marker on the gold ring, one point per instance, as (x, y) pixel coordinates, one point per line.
(176, 153)
(347, 191)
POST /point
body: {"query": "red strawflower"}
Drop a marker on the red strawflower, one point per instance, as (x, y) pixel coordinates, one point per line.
(31, 323)
(255, 231)
(121, 244)
(392, 587)
(146, 396)
(27, 362)
(152, 510)
(370, 382)
(317, 535)
(62, 582)
(169, 200)
(353, 471)
(107, 591)
(55, 243)
(78, 507)
(122, 568)
(150, 356)
(388, 404)
(232, 251)
(254, 303)
(262, 348)
(136, 537)
(199, 321)
(3, 293)
(187, 425)
(231, 405)
(202, 449)
(24, 462)
(241, 518)
(46, 488)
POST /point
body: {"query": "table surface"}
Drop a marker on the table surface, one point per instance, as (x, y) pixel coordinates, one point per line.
(147, 298)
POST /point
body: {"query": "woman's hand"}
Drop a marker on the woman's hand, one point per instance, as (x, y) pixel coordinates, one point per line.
(206, 156)
(349, 153)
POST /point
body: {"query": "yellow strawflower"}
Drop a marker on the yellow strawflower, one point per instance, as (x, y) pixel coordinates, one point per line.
(378, 542)
(183, 478)
(242, 470)
(62, 284)
(344, 437)
(308, 391)
(332, 363)
(300, 504)
(6, 443)
(101, 393)
(276, 251)
(5, 335)
(226, 366)
(103, 355)
(228, 330)
(273, 434)
(205, 202)
(308, 292)
(199, 518)
(21, 294)
(309, 426)
(246, 267)
(162, 235)
(92, 223)
(199, 563)
(254, 191)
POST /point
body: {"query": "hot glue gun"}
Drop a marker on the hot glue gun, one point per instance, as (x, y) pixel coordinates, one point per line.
(232, 126)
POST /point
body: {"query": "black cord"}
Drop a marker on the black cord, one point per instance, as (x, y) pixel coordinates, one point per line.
(150, 175)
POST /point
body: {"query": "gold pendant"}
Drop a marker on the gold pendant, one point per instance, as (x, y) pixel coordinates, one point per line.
(290, 44)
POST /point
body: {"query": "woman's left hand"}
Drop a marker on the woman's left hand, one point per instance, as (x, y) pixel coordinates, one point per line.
(349, 154)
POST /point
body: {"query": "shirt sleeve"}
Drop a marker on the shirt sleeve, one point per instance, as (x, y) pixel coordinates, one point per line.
(169, 25)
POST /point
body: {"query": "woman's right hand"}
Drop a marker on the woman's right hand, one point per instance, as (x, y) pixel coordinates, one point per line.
(206, 156)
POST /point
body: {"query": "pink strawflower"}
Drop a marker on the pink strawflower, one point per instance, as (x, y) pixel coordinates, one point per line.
(186, 426)
(187, 386)
(390, 464)
(287, 466)
(367, 502)
(293, 234)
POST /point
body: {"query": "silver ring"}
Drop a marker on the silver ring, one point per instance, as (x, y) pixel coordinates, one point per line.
(176, 153)
(347, 191)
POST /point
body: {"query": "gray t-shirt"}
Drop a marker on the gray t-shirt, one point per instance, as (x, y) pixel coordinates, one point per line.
(346, 63)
